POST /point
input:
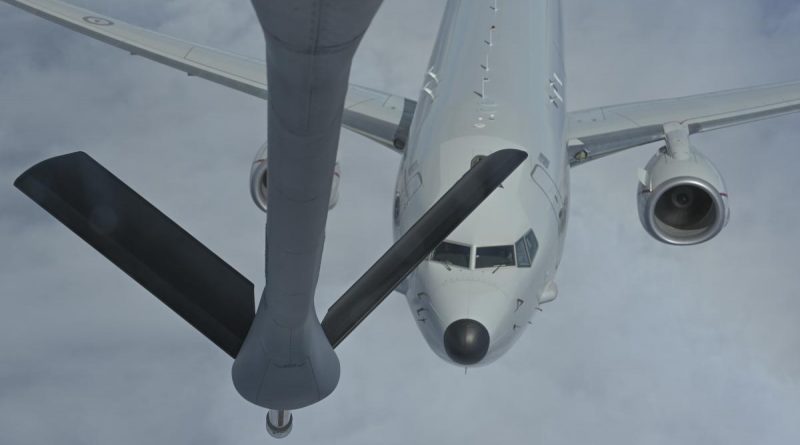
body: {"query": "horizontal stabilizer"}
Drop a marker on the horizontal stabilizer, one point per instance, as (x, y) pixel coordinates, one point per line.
(420, 240)
(143, 242)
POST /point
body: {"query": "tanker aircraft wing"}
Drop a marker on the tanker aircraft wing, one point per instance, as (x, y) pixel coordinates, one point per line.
(599, 132)
(382, 117)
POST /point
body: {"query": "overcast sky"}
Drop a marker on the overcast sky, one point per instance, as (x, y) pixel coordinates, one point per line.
(647, 344)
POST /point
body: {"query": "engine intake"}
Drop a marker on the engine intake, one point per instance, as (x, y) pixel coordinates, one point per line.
(682, 201)
(259, 173)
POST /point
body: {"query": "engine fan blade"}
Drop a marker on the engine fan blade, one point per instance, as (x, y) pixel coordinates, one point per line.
(143, 242)
(420, 240)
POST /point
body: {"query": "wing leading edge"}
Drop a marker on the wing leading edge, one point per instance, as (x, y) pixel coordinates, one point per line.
(382, 117)
(599, 132)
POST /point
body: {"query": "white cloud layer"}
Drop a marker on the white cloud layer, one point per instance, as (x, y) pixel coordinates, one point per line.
(647, 344)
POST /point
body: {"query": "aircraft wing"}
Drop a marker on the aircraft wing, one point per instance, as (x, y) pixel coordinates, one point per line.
(599, 132)
(382, 117)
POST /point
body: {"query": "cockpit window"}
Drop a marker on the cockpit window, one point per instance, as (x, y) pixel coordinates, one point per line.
(526, 249)
(532, 243)
(494, 256)
(523, 259)
(452, 254)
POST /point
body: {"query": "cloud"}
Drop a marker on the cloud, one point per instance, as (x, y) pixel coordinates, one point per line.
(646, 344)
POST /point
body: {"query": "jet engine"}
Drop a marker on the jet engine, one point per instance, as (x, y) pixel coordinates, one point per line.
(682, 199)
(258, 181)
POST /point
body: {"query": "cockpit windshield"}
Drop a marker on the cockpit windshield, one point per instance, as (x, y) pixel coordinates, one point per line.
(452, 254)
(520, 254)
(494, 256)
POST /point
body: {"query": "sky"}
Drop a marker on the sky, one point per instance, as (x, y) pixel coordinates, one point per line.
(646, 344)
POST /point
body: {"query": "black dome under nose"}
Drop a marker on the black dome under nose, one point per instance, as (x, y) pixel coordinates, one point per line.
(466, 341)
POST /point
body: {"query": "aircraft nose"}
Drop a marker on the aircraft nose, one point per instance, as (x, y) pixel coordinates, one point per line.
(466, 341)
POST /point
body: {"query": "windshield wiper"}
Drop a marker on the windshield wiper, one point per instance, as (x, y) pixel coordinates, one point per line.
(499, 266)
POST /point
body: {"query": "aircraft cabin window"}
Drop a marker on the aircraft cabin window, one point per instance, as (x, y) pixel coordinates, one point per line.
(494, 256)
(452, 254)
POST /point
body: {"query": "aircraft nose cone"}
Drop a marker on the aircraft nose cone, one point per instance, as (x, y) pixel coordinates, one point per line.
(466, 341)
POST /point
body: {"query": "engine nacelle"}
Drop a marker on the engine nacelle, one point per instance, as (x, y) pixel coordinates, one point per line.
(258, 181)
(682, 200)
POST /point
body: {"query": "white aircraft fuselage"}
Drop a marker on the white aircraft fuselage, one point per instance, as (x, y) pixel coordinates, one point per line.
(496, 80)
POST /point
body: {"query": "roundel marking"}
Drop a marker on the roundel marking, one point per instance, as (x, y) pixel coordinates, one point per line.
(99, 21)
